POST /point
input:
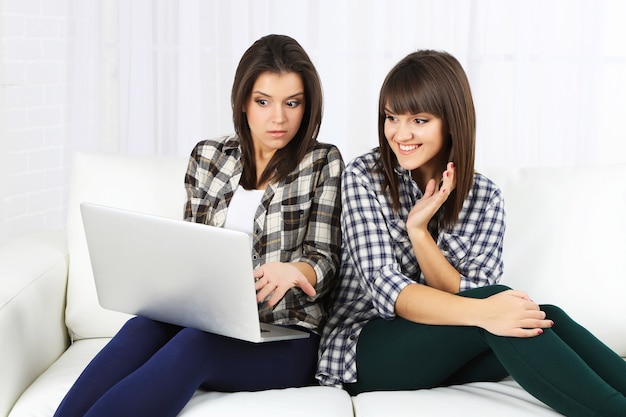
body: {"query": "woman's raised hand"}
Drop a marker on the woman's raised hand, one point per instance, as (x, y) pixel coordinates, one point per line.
(431, 200)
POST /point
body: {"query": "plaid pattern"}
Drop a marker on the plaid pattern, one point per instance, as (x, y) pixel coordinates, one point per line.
(297, 220)
(377, 259)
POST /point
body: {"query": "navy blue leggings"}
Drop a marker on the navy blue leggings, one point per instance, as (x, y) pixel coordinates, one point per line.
(152, 369)
(566, 367)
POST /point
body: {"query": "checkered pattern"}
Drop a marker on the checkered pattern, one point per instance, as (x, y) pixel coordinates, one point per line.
(297, 220)
(377, 259)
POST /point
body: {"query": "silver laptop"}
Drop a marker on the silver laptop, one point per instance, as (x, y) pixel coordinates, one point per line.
(178, 272)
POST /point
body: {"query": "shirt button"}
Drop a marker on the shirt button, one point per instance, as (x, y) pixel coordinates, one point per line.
(352, 337)
(255, 257)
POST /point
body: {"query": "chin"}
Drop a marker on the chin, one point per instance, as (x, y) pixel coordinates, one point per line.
(408, 165)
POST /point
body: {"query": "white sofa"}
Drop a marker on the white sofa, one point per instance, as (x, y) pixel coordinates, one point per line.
(565, 244)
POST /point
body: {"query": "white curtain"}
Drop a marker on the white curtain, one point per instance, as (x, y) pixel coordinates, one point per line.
(548, 76)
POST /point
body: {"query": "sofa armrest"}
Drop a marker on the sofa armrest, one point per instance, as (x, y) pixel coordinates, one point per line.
(33, 278)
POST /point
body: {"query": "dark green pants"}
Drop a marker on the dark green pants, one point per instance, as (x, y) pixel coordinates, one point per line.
(566, 367)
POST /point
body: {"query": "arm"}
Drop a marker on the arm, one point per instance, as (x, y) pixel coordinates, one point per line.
(469, 253)
(509, 313)
(376, 249)
(370, 232)
(437, 270)
(318, 262)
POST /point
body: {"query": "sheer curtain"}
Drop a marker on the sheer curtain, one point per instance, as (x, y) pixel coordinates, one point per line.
(154, 77)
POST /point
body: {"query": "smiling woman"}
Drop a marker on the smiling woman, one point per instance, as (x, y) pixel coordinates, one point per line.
(418, 303)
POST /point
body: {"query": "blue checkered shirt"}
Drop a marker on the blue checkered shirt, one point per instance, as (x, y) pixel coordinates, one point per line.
(296, 221)
(377, 259)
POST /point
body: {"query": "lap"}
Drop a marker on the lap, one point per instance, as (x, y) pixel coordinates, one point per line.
(218, 362)
(400, 354)
(236, 365)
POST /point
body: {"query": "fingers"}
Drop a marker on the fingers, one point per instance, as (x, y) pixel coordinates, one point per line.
(448, 180)
(264, 288)
(277, 295)
(277, 286)
(535, 319)
(517, 315)
(430, 188)
(307, 288)
(532, 328)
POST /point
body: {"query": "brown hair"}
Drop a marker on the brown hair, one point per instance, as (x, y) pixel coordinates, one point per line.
(432, 82)
(276, 54)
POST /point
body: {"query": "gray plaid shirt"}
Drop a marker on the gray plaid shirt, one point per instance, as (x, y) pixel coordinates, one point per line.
(297, 220)
(377, 258)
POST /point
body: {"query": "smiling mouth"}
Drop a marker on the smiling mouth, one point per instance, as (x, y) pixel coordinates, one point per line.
(408, 148)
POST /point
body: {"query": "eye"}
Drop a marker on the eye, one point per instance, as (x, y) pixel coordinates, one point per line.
(292, 103)
(262, 102)
(420, 121)
(391, 118)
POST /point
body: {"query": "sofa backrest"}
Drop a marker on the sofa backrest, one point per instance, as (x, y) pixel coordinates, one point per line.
(565, 242)
(152, 185)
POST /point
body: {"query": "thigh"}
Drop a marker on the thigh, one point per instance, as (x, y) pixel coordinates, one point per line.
(230, 365)
(399, 354)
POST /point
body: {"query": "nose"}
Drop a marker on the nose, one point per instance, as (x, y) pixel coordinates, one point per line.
(403, 132)
(278, 114)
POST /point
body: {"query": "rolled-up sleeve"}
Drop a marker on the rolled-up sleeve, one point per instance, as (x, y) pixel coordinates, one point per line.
(322, 242)
(474, 245)
(368, 241)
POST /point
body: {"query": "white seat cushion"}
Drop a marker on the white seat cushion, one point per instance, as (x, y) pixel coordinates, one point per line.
(477, 399)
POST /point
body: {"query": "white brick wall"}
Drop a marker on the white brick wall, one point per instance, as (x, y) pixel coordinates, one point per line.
(33, 86)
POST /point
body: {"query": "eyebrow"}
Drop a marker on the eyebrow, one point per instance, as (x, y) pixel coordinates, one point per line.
(267, 95)
(388, 110)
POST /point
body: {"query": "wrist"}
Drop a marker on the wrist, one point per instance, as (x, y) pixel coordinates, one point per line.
(417, 234)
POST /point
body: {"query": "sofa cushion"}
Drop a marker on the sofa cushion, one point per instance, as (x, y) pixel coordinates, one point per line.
(152, 185)
(565, 242)
(477, 399)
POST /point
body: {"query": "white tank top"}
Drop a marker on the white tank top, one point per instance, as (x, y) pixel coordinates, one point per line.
(241, 210)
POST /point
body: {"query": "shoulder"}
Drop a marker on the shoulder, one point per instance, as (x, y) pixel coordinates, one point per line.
(364, 166)
(323, 159)
(365, 163)
(486, 190)
(325, 151)
(208, 148)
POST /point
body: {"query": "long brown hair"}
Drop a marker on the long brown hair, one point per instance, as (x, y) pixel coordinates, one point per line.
(276, 54)
(432, 82)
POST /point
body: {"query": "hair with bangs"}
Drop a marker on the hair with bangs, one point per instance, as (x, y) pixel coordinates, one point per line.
(277, 54)
(432, 82)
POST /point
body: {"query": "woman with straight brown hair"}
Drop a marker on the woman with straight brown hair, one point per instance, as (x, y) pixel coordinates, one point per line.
(417, 304)
(274, 181)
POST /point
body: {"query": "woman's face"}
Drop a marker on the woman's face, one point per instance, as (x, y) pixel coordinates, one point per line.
(417, 140)
(274, 111)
